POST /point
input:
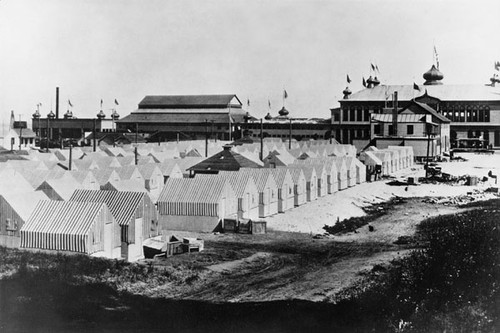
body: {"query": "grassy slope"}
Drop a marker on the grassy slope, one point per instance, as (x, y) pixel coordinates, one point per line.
(452, 284)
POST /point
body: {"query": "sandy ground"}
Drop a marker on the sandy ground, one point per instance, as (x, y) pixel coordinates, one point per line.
(312, 216)
(288, 263)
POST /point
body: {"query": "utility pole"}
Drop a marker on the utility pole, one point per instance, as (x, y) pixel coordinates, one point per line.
(70, 155)
(94, 135)
(261, 140)
(206, 138)
(290, 136)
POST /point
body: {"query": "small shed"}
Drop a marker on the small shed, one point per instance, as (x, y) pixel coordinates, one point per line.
(82, 227)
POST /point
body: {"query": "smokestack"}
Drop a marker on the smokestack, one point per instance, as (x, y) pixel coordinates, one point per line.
(57, 102)
(395, 115)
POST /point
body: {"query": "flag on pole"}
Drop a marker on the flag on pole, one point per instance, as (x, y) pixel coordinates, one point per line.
(415, 86)
(436, 54)
(116, 102)
(373, 67)
(101, 103)
(248, 102)
(376, 68)
(364, 82)
(269, 103)
(69, 103)
(348, 79)
(285, 95)
(497, 65)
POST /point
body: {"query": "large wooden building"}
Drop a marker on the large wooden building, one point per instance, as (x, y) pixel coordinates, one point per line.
(474, 110)
(186, 117)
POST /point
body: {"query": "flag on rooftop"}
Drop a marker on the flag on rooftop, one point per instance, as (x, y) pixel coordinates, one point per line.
(364, 82)
(101, 103)
(373, 66)
(436, 54)
(348, 79)
(497, 65)
(116, 102)
(248, 102)
(415, 86)
(69, 103)
(376, 68)
(285, 95)
(269, 104)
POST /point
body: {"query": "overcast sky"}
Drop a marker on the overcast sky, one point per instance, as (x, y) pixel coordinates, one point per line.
(124, 50)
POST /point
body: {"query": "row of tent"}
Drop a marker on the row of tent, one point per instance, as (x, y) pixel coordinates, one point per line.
(37, 208)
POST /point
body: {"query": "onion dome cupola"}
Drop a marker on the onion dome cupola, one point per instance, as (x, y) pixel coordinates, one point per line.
(247, 117)
(51, 115)
(268, 116)
(375, 81)
(370, 82)
(347, 92)
(283, 112)
(68, 115)
(433, 76)
(36, 115)
(115, 115)
(101, 115)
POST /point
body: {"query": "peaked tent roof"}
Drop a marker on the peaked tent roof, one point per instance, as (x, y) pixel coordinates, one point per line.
(226, 160)
(121, 204)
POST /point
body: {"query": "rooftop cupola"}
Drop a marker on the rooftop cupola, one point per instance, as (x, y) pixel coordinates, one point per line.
(347, 92)
(51, 115)
(101, 115)
(68, 115)
(375, 81)
(36, 115)
(283, 112)
(370, 82)
(115, 115)
(433, 77)
(268, 116)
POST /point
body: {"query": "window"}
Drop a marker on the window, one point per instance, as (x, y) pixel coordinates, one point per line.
(367, 115)
(409, 129)
(345, 114)
(377, 129)
(352, 114)
(391, 130)
(336, 117)
(359, 115)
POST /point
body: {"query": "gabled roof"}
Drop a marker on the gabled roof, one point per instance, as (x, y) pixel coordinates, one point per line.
(280, 175)
(145, 116)
(148, 170)
(238, 181)
(189, 101)
(63, 217)
(226, 160)
(193, 190)
(26, 133)
(122, 205)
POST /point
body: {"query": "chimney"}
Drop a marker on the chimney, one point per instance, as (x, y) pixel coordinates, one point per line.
(395, 115)
(57, 102)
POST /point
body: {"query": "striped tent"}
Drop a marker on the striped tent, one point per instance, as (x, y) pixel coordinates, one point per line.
(246, 191)
(285, 185)
(196, 204)
(340, 161)
(134, 212)
(268, 190)
(84, 227)
(299, 186)
(351, 171)
(311, 180)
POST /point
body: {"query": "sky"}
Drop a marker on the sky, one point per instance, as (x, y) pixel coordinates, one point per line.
(127, 49)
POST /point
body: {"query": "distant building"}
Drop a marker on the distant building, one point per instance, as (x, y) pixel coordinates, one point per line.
(19, 135)
(186, 117)
(474, 110)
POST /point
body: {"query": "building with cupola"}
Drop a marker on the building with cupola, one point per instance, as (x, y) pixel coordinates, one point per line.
(473, 111)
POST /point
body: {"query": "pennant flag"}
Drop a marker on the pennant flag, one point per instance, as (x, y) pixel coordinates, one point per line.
(285, 95)
(376, 68)
(269, 103)
(373, 66)
(364, 82)
(415, 86)
(248, 102)
(436, 54)
(348, 79)
(116, 102)
(101, 103)
(69, 103)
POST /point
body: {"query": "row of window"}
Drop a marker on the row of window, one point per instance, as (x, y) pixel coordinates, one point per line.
(481, 116)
